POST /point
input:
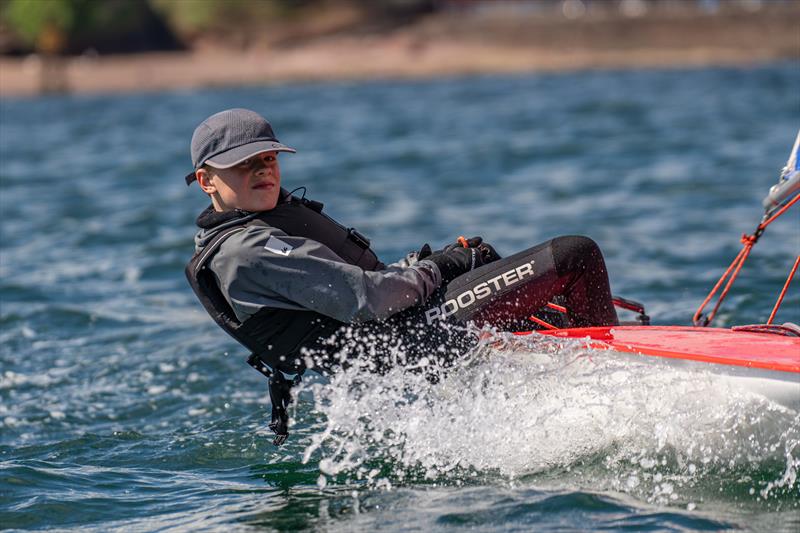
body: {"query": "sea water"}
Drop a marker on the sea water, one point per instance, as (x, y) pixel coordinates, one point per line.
(123, 407)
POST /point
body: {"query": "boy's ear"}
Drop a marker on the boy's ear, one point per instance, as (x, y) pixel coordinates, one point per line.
(204, 179)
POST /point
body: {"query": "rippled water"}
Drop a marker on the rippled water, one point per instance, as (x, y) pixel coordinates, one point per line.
(122, 406)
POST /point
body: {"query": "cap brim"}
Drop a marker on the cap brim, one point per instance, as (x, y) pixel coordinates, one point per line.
(234, 156)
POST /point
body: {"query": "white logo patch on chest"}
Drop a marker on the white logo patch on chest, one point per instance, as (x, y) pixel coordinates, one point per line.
(277, 246)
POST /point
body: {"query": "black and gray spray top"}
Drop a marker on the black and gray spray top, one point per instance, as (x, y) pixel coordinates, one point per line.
(271, 278)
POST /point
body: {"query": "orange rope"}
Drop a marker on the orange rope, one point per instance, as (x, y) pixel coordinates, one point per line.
(732, 271)
(542, 322)
(736, 266)
(783, 292)
(745, 253)
(559, 308)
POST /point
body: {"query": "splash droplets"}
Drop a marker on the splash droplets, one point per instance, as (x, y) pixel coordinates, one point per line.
(533, 408)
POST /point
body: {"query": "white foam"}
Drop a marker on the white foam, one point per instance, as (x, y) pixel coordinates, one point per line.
(531, 406)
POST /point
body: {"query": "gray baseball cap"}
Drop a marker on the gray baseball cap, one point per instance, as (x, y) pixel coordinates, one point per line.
(229, 137)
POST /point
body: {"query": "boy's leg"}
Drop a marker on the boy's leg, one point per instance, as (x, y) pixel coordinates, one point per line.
(502, 294)
(508, 291)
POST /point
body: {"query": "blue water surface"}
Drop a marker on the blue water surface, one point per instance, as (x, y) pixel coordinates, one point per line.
(123, 407)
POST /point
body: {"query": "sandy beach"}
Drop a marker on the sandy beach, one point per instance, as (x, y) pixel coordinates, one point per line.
(439, 45)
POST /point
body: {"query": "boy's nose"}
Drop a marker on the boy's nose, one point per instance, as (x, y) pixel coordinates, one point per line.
(260, 167)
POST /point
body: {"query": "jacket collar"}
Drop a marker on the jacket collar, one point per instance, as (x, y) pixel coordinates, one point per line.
(210, 218)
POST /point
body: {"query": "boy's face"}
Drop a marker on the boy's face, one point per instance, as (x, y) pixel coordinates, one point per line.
(252, 185)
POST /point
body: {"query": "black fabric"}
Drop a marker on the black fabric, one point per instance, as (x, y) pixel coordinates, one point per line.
(569, 271)
(488, 252)
(280, 333)
(280, 396)
(472, 242)
(210, 218)
(503, 293)
(454, 262)
(570, 268)
(300, 217)
(275, 335)
(272, 334)
(583, 281)
(403, 339)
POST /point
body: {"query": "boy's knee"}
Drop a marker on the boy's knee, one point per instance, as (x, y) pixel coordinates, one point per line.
(572, 252)
(574, 245)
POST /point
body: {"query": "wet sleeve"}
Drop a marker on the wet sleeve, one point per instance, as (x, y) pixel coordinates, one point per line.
(265, 267)
(408, 260)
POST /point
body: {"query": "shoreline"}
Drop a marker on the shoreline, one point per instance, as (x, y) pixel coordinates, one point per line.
(21, 78)
(436, 47)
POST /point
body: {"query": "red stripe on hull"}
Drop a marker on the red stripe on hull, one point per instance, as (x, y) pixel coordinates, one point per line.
(709, 345)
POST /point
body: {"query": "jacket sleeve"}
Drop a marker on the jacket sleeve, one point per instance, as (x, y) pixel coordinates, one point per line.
(264, 267)
(408, 260)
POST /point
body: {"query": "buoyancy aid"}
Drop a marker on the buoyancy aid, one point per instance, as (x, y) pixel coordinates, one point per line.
(275, 335)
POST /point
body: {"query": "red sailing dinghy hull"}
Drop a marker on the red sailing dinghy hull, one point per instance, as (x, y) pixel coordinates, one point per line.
(763, 358)
(764, 363)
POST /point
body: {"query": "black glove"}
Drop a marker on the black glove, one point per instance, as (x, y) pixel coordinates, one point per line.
(456, 261)
(424, 252)
(472, 242)
(488, 253)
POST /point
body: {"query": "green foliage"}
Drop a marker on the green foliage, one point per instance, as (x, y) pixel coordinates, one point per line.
(70, 26)
(30, 18)
(187, 16)
(195, 16)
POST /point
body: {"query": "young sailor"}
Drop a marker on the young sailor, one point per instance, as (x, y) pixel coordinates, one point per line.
(299, 290)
